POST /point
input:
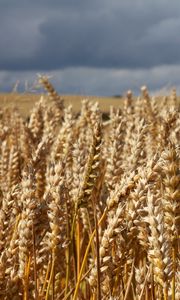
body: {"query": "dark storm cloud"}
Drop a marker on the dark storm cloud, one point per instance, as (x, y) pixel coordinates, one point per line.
(49, 35)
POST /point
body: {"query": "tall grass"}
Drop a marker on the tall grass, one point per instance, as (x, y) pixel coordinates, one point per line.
(89, 209)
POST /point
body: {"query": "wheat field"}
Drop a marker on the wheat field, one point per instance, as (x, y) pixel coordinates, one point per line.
(89, 208)
(26, 101)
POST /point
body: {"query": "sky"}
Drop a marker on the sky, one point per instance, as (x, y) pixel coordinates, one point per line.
(90, 47)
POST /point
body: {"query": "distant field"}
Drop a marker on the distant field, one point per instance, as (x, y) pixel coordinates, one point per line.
(25, 102)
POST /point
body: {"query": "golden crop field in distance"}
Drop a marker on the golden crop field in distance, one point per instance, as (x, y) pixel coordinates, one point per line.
(89, 206)
(25, 102)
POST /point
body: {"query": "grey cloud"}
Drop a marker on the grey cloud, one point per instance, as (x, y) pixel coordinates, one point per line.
(90, 81)
(47, 35)
(98, 47)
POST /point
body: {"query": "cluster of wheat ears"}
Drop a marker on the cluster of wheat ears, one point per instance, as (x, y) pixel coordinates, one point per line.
(89, 209)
